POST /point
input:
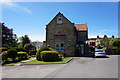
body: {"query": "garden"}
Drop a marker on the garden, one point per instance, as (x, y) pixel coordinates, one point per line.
(44, 55)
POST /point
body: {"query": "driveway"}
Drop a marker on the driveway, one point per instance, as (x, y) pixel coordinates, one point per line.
(79, 67)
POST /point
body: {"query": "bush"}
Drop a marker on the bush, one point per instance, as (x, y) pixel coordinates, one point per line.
(108, 51)
(3, 49)
(48, 56)
(22, 55)
(12, 53)
(40, 50)
(20, 49)
(3, 56)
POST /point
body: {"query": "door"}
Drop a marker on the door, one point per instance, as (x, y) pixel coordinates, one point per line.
(82, 49)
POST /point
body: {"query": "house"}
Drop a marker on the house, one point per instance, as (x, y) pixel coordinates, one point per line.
(91, 43)
(63, 35)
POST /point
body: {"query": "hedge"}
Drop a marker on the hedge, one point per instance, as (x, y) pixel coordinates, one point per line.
(40, 50)
(49, 56)
(22, 55)
(3, 56)
(12, 53)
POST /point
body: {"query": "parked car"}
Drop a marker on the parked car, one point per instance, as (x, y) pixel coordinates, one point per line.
(99, 53)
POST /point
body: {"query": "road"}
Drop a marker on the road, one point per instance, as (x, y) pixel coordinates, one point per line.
(79, 67)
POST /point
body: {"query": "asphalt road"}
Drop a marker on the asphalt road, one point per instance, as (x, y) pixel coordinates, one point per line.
(79, 67)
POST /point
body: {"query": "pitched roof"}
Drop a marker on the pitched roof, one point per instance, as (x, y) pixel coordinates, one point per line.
(57, 15)
(91, 41)
(81, 27)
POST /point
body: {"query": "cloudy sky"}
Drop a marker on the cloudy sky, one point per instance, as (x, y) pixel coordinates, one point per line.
(31, 17)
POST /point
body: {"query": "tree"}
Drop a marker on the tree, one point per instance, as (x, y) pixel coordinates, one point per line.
(105, 41)
(28, 47)
(115, 43)
(25, 40)
(8, 38)
(15, 40)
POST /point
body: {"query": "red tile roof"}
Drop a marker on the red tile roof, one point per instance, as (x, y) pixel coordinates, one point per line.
(91, 41)
(81, 27)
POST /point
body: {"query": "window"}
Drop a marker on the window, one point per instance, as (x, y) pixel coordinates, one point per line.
(59, 20)
(59, 47)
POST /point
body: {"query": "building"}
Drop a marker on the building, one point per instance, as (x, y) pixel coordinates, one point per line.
(91, 43)
(63, 35)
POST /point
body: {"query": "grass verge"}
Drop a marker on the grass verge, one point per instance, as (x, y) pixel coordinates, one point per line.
(64, 60)
(13, 63)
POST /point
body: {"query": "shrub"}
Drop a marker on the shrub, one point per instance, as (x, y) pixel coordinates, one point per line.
(40, 50)
(22, 55)
(48, 56)
(20, 49)
(108, 51)
(3, 56)
(12, 53)
(3, 49)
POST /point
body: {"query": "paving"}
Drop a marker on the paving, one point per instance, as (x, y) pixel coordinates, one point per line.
(33, 58)
(79, 67)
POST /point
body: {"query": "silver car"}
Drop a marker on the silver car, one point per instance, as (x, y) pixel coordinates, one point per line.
(99, 53)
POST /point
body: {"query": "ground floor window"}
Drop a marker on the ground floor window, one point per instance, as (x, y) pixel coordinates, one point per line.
(60, 47)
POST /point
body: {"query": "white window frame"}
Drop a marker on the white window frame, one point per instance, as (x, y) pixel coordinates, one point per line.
(59, 21)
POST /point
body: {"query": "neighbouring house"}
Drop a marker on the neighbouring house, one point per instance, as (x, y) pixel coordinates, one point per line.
(91, 43)
(65, 36)
(37, 44)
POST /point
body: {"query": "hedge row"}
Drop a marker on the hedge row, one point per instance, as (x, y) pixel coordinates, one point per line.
(47, 54)
(12, 53)
(22, 55)
(40, 50)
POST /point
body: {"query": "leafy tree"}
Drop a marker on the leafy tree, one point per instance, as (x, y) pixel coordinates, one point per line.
(25, 40)
(28, 47)
(105, 41)
(115, 43)
(15, 40)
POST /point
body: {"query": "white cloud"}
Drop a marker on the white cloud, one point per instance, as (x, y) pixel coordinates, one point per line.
(40, 38)
(37, 37)
(95, 35)
(15, 6)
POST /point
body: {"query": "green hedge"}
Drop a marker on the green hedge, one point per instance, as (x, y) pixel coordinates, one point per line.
(3, 56)
(12, 53)
(49, 56)
(22, 55)
(40, 50)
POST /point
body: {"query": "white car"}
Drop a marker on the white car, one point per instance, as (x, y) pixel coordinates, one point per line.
(99, 53)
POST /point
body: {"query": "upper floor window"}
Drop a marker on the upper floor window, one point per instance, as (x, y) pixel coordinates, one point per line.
(59, 20)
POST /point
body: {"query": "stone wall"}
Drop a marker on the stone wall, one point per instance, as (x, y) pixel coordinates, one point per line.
(67, 29)
(82, 35)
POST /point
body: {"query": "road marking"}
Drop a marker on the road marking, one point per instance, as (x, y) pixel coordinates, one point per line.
(37, 66)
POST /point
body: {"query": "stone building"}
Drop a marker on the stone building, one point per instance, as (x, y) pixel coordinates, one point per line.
(63, 35)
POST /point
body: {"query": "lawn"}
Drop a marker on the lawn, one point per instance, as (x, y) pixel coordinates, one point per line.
(13, 63)
(64, 60)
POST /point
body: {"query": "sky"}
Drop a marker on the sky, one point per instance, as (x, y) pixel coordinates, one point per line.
(31, 18)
